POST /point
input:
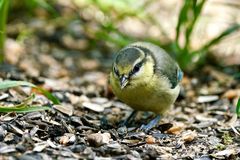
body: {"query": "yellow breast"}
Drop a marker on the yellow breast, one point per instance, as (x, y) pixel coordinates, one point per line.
(150, 94)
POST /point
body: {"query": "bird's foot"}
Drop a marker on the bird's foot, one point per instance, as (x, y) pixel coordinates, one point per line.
(129, 120)
(151, 124)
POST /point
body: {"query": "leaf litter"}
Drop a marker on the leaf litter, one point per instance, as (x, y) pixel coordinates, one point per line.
(85, 126)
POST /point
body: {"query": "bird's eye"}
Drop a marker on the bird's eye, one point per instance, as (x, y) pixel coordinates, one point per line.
(115, 70)
(136, 68)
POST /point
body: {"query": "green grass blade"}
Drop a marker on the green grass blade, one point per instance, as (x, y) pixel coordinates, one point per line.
(220, 37)
(196, 11)
(23, 109)
(24, 106)
(32, 4)
(9, 84)
(198, 8)
(238, 108)
(182, 19)
(47, 6)
(48, 95)
(26, 101)
(3, 20)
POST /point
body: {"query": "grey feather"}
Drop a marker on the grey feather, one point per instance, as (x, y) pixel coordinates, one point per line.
(129, 54)
(164, 64)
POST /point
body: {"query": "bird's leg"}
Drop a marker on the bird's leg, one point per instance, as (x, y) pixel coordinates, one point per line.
(151, 124)
(129, 120)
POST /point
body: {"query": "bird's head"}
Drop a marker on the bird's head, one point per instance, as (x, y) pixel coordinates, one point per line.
(132, 66)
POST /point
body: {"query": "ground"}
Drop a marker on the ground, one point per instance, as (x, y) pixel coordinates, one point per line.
(65, 60)
(202, 124)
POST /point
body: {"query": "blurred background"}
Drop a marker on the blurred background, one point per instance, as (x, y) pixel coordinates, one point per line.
(59, 38)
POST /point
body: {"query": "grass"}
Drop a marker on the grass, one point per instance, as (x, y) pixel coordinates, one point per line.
(30, 5)
(187, 57)
(25, 105)
(117, 11)
(238, 108)
(3, 12)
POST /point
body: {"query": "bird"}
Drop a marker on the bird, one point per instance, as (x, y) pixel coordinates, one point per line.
(146, 78)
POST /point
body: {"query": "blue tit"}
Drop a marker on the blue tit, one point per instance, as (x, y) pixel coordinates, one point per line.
(146, 78)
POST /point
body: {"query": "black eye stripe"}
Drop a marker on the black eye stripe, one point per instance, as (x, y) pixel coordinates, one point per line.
(136, 68)
(115, 70)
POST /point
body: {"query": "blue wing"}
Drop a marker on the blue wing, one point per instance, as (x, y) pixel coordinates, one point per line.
(179, 75)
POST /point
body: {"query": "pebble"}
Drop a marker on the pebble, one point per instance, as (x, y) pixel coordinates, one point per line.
(202, 118)
(189, 136)
(116, 148)
(2, 133)
(93, 106)
(214, 140)
(205, 99)
(64, 108)
(122, 130)
(231, 94)
(175, 130)
(225, 153)
(160, 135)
(73, 98)
(135, 154)
(33, 115)
(98, 139)
(99, 100)
(204, 157)
(16, 129)
(28, 157)
(130, 141)
(150, 140)
(9, 137)
(20, 148)
(68, 138)
(7, 149)
(77, 148)
(4, 96)
(39, 147)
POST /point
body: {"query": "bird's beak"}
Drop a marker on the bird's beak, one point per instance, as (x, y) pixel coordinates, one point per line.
(123, 81)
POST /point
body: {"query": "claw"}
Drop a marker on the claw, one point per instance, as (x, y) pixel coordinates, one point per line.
(151, 124)
(129, 120)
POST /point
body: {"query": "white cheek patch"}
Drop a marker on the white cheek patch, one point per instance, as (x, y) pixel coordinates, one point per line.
(139, 73)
